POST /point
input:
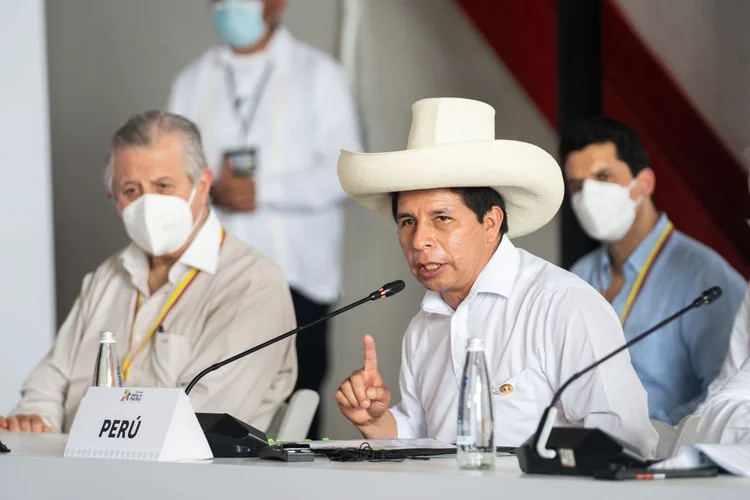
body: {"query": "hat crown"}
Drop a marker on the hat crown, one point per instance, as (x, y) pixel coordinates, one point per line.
(449, 120)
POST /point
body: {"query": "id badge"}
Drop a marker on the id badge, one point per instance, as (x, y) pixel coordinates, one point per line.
(242, 161)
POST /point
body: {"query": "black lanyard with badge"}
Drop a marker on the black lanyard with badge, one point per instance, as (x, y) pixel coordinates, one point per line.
(243, 161)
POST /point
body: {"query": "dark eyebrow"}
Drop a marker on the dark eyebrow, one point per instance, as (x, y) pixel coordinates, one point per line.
(441, 211)
(605, 169)
(438, 211)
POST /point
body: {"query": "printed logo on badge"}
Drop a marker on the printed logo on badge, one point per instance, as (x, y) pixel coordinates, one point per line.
(131, 396)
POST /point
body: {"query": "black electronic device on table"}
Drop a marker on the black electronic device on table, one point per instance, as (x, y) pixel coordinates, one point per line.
(579, 451)
(230, 437)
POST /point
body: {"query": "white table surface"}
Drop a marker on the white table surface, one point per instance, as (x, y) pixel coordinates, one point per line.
(35, 469)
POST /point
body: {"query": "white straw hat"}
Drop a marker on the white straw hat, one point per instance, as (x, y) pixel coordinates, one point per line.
(452, 144)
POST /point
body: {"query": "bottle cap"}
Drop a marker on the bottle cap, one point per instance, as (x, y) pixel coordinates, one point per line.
(475, 344)
(108, 337)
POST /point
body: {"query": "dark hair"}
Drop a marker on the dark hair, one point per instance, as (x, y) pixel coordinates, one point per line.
(479, 200)
(600, 130)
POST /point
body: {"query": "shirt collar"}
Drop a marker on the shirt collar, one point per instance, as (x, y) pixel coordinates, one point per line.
(638, 258)
(202, 254)
(497, 277)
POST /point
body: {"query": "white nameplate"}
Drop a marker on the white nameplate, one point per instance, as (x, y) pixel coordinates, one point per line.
(137, 424)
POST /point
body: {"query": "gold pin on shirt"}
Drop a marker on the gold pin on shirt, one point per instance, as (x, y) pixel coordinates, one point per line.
(503, 389)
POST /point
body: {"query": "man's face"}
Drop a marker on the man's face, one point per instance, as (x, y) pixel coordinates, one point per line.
(158, 169)
(445, 245)
(598, 162)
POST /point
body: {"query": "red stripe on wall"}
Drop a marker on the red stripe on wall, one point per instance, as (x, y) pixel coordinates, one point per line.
(700, 184)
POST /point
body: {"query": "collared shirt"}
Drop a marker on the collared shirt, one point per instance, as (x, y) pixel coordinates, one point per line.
(677, 363)
(725, 416)
(739, 346)
(238, 299)
(305, 116)
(540, 325)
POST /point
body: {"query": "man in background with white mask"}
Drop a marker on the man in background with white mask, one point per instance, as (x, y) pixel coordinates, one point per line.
(183, 296)
(646, 268)
(274, 113)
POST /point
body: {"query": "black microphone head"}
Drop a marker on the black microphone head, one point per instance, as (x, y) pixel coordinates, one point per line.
(388, 289)
(709, 296)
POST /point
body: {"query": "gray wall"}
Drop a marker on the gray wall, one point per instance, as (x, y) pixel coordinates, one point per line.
(705, 46)
(110, 58)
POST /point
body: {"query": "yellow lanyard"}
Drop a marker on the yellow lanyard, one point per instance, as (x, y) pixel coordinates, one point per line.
(643, 275)
(128, 363)
(176, 296)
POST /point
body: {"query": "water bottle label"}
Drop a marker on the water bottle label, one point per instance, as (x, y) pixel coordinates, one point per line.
(464, 440)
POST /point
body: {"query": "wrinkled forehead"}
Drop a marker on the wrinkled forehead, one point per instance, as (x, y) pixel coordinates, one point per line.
(164, 156)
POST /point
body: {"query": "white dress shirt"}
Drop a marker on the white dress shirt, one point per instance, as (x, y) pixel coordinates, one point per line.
(725, 416)
(739, 346)
(305, 116)
(540, 325)
(238, 299)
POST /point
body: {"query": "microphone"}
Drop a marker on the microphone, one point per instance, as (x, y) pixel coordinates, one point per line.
(230, 437)
(582, 451)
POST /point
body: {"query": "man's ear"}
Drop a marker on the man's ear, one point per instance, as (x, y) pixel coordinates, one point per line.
(646, 182)
(493, 221)
(204, 186)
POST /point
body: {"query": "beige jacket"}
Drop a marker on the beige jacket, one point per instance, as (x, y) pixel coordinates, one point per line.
(239, 299)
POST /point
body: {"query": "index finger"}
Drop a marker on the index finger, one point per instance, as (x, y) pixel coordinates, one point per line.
(371, 356)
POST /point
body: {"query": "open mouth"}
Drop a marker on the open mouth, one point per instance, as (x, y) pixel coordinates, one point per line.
(430, 269)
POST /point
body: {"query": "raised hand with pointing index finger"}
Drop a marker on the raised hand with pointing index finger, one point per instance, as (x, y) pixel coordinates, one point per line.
(364, 399)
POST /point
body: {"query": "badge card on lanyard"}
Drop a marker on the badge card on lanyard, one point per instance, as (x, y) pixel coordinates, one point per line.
(243, 161)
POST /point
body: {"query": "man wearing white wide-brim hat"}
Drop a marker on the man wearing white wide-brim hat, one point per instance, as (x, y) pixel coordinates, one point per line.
(458, 196)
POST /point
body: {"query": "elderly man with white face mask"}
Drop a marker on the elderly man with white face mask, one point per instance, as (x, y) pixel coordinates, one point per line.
(646, 268)
(182, 296)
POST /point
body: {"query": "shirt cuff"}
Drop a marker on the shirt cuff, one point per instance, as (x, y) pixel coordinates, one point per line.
(403, 427)
(49, 422)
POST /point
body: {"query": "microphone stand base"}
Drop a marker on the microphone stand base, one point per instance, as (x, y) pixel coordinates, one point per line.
(229, 437)
(579, 452)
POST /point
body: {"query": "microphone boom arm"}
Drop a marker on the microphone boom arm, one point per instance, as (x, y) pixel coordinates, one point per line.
(548, 419)
(385, 291)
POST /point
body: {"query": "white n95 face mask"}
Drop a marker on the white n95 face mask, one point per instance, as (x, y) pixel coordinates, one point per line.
(159, 224)
(605, 210)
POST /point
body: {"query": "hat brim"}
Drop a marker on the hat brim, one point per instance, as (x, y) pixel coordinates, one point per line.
(527, 177)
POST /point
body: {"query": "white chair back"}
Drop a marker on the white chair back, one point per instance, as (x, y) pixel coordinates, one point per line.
(667, 438)
(293, 419)
(671, 438)
(687, 432)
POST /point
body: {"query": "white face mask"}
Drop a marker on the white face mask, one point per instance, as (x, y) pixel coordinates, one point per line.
(159, 224)
(605, 210)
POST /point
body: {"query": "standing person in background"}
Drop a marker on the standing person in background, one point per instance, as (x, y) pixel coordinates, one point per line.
(274, 113)
(647, 269)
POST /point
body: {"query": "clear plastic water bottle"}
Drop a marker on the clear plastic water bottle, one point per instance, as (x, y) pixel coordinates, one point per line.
(476, 426)
(107, 369)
